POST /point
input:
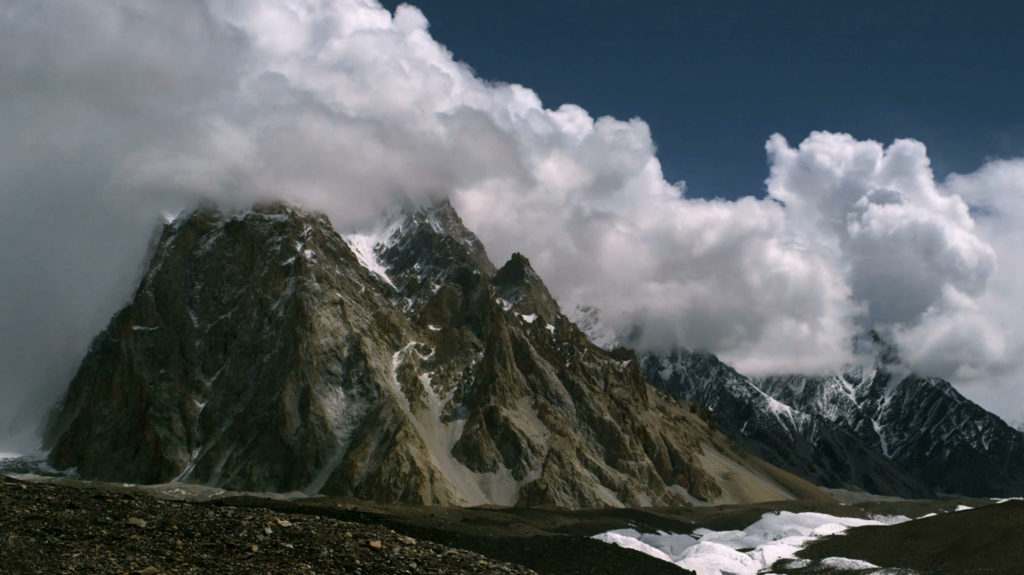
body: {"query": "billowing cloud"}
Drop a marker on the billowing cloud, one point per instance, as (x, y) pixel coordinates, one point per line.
(605, 229)
(933, 263)
(907, 244)
(979, 341)
(113, 112)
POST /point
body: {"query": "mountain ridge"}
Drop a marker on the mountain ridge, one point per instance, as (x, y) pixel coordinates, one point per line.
(262, 352)
(835, 429)
(881, 429)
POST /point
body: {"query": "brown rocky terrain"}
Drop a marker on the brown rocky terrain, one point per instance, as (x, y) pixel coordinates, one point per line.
(99, 529)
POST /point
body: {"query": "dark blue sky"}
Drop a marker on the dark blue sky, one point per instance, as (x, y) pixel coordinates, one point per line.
(715, 79)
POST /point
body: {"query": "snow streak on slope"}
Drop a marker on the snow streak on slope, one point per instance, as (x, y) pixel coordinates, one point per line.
(366, 245)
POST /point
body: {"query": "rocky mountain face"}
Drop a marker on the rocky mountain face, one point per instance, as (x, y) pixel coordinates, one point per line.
(938, 437)
(264, 351)
(797, 440)
(881, 429)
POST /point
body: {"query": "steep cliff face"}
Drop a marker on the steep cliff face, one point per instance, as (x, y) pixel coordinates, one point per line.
(249, 350)
(260, 352)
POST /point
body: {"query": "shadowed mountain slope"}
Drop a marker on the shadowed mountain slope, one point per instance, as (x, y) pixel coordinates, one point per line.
(881, 429)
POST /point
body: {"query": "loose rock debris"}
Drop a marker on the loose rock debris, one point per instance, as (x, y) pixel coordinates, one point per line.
(53, 529)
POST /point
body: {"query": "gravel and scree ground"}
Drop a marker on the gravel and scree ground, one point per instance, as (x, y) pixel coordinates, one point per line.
(72, 527)
(52, 528)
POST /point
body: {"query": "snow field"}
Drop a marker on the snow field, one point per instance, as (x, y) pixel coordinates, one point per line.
(748, 551)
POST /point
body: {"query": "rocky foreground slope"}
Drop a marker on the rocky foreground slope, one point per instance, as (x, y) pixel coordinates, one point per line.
(52, 529)
(59, 528)
(260, 352)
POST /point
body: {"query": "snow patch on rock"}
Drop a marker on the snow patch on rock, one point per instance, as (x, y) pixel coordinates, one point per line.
(367, 244)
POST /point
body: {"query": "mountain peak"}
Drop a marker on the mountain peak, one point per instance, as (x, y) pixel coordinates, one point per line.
(427, 247)
(517, 269)
(877, 348)
(520, 286)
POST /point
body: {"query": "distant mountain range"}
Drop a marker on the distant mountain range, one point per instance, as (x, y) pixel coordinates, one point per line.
(264, 351)
(879, 428)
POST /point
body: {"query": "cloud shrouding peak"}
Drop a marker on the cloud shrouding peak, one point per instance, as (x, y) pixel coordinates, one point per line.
(111, 113)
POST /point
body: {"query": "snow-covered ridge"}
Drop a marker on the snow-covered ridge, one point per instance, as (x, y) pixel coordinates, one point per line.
(875, 425)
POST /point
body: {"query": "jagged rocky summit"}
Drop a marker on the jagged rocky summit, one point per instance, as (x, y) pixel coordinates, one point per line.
(264, 351)
(876, 427)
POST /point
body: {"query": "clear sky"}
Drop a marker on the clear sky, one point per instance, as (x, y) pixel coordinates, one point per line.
(714, 79)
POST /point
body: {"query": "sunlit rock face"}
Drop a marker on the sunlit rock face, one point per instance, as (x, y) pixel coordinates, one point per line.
(264, 351)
